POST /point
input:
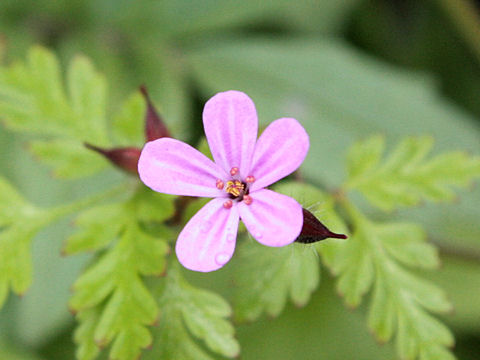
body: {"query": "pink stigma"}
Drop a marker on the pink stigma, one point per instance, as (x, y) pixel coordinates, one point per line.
(219, 184)
(250, 179)
(228, 204)
(234, 171)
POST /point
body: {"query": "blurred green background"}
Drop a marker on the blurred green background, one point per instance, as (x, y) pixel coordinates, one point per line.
(345, 68)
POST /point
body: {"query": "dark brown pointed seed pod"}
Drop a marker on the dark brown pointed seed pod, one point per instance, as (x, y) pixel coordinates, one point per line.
(125, 158)
(155, 128)
(313, 230)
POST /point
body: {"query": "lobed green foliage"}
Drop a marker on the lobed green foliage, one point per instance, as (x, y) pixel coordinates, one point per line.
(19, 222)
(187, 312)
(406, 177)
(266, 278)
(33, 99)
(110, 298)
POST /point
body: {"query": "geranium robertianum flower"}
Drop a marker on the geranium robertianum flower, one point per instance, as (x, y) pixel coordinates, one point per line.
(237, 180)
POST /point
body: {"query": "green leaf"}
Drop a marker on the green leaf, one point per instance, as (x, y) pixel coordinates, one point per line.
(113, 304)
(309, 196)
(192, 208)
(355, 269)
(84, 334)
(33, 99)
(315, 200)
(151, 206)
(407, 177)
(114, 283)
(374, 256)
(99, 226)
(128, 123)
(187, 311)
(183, 17)
(69, 159)
(464, 293)
(12, 204)
(319, 17)
(15, 260)
(128, 342)
(268, 276)
(19, 223)
(322, 206)
(87, 90)
(364, 156)
(406, 243)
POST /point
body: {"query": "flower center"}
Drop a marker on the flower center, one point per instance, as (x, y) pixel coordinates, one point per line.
(235, 188)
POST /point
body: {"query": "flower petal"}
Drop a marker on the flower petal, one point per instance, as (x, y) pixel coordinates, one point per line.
(208, 240)
(173, 167)
(280, 150)
(272, 219)
(231, 126)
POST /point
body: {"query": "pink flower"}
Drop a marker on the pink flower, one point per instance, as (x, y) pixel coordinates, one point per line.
(236, 181)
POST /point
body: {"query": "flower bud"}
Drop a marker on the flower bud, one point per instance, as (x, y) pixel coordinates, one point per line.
(155, 128)
(313, 230)
(124, 158)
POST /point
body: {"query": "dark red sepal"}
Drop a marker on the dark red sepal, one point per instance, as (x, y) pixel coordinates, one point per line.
(125, 158)
(155, 127)
(313, 230)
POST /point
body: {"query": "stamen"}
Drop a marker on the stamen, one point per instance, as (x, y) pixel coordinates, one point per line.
(234, 171)
(247, 199)
(235, 187)
(219, 184)
(228, 204)
(250, 179)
